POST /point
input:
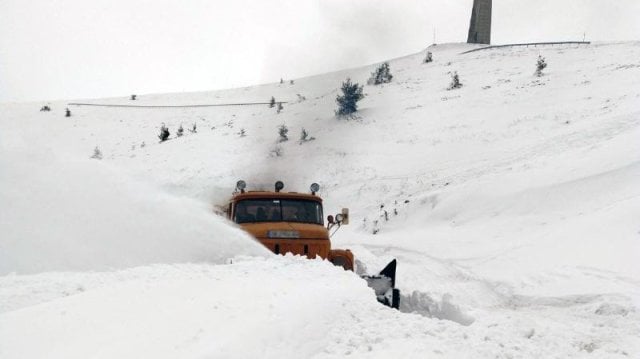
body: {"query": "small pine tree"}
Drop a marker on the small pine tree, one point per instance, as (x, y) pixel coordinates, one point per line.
(282, 132)
(272, 102)
(540, 65)
(304, 136)
(280, 107)
(455, 81)
(67, 113)
(281, 81)
(347, 102)
(180, 131)
(429, 57)
(381, 75)
(97, 154)
(164, 133)
(242, 132)
(193, 128)
(291, 82)
(133, 97)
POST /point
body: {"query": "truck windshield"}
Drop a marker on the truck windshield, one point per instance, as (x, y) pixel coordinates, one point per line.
(278, 210)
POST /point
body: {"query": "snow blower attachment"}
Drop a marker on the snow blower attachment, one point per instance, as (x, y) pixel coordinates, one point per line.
(291, 222)
(384, 285)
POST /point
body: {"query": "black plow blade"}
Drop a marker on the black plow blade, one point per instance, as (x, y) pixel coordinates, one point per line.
(384, 284)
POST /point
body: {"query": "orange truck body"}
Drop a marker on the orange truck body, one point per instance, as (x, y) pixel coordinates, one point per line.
(310, 239)
(292, 222)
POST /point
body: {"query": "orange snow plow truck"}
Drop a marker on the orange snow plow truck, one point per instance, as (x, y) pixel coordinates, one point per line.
(291, 222)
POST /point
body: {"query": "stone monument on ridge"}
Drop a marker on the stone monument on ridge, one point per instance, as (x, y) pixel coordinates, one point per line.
(480, 26)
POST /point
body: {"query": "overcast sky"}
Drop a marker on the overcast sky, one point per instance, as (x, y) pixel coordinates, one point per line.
(64, 49)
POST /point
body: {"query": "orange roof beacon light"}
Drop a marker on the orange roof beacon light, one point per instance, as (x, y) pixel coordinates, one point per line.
(291, 222)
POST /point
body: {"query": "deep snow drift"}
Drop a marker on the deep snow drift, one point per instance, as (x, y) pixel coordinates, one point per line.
(511, 205)
(63, 213)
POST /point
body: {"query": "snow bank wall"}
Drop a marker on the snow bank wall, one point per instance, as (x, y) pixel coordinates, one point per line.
(69, 213)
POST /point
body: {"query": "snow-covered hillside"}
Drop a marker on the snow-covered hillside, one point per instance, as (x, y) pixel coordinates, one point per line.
(511, 204)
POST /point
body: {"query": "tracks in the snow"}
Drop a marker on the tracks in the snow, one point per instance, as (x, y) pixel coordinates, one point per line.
(441, 288)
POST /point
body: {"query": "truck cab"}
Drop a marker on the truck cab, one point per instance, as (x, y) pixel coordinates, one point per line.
(288, 222)
(292, 222)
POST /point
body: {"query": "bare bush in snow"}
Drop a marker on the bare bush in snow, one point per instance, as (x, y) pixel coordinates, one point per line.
(97, 154)
(540, 65)
(428, 58)
(276, 151)
(455, 81)
(304, 136)
(282, 132)
(164, 133)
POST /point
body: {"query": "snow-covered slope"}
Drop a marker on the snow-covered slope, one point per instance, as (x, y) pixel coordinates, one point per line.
(511, 205)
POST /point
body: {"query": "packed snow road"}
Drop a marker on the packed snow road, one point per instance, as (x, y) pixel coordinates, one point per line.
(287, 307)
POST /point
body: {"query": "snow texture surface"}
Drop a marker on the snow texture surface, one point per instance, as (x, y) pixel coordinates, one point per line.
(511, 204)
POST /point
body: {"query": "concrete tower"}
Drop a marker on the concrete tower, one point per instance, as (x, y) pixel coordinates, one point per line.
(480, 26)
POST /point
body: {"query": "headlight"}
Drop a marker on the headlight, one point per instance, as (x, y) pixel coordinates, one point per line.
(241, 185)
(315, 187)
